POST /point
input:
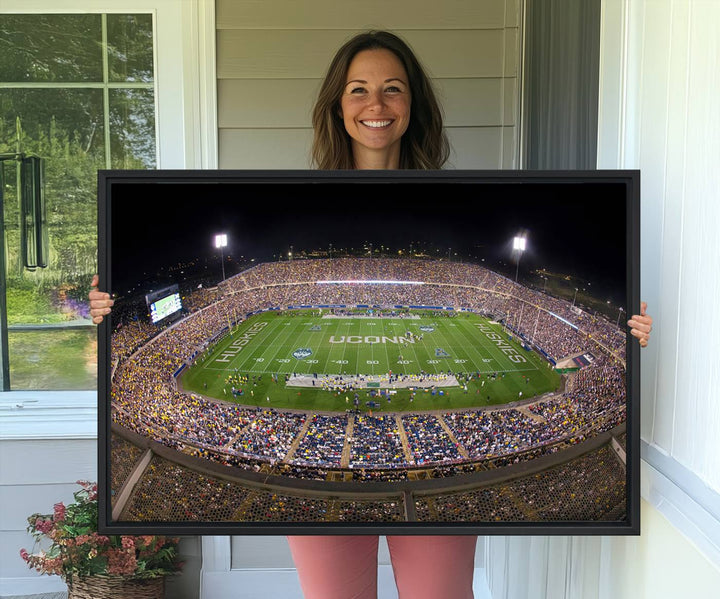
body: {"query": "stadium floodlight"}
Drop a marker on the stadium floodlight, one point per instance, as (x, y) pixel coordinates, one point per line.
(575, 296)
(519, 246)
(221, 242)
(617, 324)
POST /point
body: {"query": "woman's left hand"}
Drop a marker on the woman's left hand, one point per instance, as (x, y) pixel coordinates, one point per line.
(641, 325)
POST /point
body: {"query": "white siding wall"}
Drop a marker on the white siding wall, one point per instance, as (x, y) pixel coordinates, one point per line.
(37, 471)
(46, 446)
(271, 58)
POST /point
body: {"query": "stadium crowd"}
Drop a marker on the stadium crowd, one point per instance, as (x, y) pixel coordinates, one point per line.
(145, 398)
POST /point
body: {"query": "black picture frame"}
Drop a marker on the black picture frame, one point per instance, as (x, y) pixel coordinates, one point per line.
(590, 219)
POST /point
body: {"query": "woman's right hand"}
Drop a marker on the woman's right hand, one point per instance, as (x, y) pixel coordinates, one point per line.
(100, 302)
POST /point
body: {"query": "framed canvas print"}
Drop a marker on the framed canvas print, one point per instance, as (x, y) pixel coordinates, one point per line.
(376, 352)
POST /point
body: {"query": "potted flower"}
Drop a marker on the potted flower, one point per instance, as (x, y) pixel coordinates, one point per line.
(96, 566)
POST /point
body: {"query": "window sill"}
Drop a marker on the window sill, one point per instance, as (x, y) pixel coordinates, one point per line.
(680, 495)
(48, 415)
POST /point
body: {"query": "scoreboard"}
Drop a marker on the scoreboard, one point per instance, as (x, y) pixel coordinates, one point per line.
(164, 303)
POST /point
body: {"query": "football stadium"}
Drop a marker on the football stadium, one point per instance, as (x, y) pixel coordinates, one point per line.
(362, 390)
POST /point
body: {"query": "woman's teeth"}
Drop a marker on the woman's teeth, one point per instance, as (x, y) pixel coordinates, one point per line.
(376, 124)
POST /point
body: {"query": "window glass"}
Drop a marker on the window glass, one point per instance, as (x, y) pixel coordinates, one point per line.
(55, 358)
(79, 104)
(129, 39)
(37, 48)
(53, 120)
(132, 128)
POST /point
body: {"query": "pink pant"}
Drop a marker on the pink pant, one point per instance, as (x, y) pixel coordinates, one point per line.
(345, 567)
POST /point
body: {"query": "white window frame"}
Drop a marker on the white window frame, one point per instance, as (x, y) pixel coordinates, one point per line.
(186, 130)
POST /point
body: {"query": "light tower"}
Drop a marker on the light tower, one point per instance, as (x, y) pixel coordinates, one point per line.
(221, 242)
(519, 246)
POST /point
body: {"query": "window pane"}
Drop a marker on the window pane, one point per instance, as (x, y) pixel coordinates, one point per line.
(38, 48)
(132, 128)
(54, 359)
(130, 48)
(65, 128)
(53, 121)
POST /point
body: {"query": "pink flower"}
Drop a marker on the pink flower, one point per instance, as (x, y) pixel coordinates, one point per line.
(128, 542)
(121, 562)
(79, 554)
(59, 509)
(89, 488)
(44, 526)
(53, 565)
(146, 539)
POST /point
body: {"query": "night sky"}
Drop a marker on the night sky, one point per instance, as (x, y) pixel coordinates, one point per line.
(572, 228)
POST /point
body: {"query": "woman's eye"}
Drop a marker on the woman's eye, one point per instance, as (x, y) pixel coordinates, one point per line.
(393, 89)
(357, 90)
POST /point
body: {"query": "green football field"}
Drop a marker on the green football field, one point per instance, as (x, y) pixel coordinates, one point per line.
(491, 367)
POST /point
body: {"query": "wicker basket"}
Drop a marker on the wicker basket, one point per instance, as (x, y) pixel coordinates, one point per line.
(116, 587)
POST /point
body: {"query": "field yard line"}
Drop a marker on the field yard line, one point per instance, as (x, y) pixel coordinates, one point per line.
(358, 370)
(430, 355)
(488, 350)
(390, 329)
(496, 353)
(260, 339)
(272, 341)
(240, 362)
(529, 359)
(341, 329)
(292, 334)
(450, 343)
(309, 335)
(471, 333)
(387, 356)
(372, 357)
(473, 354)
(365, 351)
(417, 358)
(326, 341)
(233, 365)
